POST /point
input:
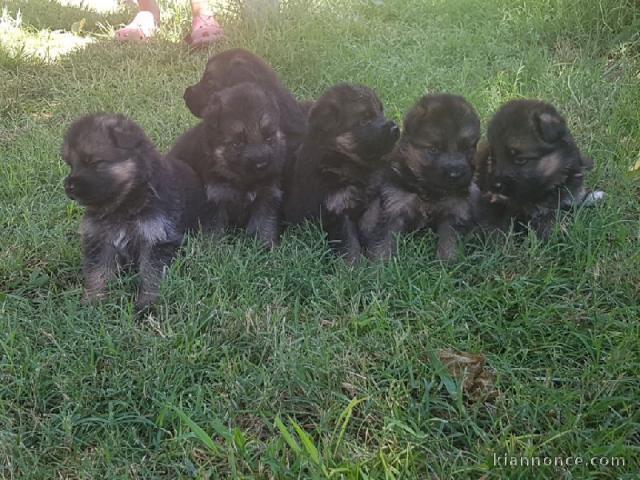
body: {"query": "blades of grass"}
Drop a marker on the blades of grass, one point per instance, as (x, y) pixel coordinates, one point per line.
(221, 429)
(307, 442)
(197, 430)
(238, 439)
(345, 416)
(287, 436)
(447, 380)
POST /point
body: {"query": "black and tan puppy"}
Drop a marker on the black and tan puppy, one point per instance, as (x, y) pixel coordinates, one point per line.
(427, 183)
(235, 66)
(530, 168)
(239, 151)
(138, 204)
(347, 137)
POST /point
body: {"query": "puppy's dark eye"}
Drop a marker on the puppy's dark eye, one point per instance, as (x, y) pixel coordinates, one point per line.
(236, 142)
(520, 160)
(432, 149)
(364, 122)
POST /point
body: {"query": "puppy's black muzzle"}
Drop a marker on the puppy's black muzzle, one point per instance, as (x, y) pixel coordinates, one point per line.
(380, 137)
(390, 131)
(455, 170)
(71, 187)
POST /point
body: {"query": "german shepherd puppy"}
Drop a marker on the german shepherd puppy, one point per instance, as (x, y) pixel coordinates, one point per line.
(347, 137)
(235, 66)
(530, 168)
(239, 150)
(428, 180)
(138, 204)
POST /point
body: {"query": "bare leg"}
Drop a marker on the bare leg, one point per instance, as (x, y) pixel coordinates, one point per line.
(205, 30)
(150, 6)
(199, 7)
(144, 24)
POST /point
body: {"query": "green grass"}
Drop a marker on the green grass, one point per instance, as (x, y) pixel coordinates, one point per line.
(291, 364)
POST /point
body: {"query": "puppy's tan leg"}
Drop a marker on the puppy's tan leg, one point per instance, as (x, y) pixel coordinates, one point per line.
(447, 241)
(152, 267)
(264, 222)
(384, 244)
(100, 266)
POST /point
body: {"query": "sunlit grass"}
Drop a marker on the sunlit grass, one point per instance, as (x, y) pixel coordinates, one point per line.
(289, 364)
(47, 45)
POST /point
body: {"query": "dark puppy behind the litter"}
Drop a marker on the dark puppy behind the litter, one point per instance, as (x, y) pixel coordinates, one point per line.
(347, 137)
(239, 151)
(138, 204)
(235, 66)
(530, 168)
(427, 183)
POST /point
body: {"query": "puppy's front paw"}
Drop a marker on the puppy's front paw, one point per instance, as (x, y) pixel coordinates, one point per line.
(91, 297)
(593, 199)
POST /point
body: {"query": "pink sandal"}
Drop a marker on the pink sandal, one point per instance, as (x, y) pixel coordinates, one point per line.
(205, 30)
(141, 29)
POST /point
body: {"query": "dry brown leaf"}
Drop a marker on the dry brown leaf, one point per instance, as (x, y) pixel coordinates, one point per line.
(478, 381)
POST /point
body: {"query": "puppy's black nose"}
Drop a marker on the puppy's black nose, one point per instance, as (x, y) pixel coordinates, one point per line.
(70, 187)
(259, 162)
(456, 171)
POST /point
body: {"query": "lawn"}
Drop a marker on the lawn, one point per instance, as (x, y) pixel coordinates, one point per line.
(291, 364)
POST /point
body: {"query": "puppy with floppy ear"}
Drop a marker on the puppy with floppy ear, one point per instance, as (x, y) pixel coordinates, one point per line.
(138, 204)
(530, 168)
(236, 66)
(347, 137)
(428, 181)
(239, 151)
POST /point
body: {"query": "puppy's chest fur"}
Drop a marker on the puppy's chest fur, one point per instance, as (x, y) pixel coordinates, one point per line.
(347, 188)
(347, 200)
(128, 237)
(422, 212)
(238, 202)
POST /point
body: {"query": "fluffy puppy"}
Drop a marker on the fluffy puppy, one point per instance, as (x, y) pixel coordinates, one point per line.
(239, 151)
(235, 66)
(530, 168)
(138, 204)
(427, 183)
(347, 137)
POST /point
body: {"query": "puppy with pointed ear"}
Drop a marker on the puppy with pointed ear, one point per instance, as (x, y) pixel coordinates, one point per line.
(347, 139)
(138, 204)
(530, 168)
(428, 180)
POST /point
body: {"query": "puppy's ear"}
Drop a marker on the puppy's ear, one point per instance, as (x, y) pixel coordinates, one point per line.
(483, 165)
(414, 117)
(211, 113)
(482, 155)
(586, 162)
(323, 115)
(124, 134)
(549, 127)
(196, 99)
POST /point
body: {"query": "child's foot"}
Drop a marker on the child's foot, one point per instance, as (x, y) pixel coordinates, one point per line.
(205, 30)
(142, 28)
